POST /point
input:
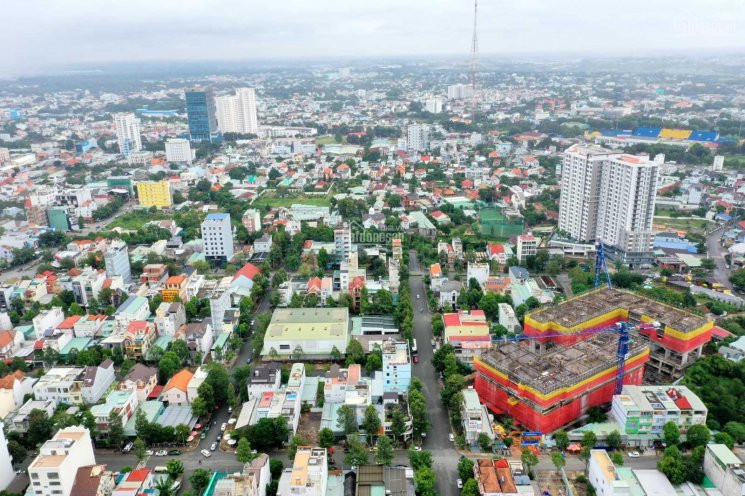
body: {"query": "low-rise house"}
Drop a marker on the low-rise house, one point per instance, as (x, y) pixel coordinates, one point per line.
(97, 380)
(10, 342)
(435, 277)
(118, 403)
(176, 390)
(61, 384)
(93, 480)
(192, 388)
(449, 292)
(198, 338)
(264, 378)
(169, 317)
(724, 469)
(17, 421)
(508, 319)
(13, 388)
(475, 417)
(142, 380)
(138, 338)
(467, 332)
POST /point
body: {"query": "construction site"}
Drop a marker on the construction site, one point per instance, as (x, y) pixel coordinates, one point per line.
(675, 337)
(545, 386)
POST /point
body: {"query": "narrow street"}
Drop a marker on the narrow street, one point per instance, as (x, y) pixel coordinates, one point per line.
(713, 245)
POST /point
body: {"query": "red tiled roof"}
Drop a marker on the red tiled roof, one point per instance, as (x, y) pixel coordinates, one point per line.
(249, 270)
(138, 475)
(683, 403)
(69, 322)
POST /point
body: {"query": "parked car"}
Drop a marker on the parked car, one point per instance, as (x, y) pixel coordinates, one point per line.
(174, 453)
(128, 447)
(161, 453)
(416, 359)
(149, 452)
(417, 448)
(634, 454)
(460, 484)
(206, 453)
(213, 446)
(451, 436)
(223, 427)
(230, 409)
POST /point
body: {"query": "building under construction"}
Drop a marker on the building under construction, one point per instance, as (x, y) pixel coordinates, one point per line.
(546, 385)
(676, 338)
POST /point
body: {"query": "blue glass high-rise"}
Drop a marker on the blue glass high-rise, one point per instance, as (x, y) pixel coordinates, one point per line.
(201, 115)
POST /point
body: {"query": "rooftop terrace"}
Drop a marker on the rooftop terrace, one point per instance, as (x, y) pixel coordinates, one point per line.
(601, 301)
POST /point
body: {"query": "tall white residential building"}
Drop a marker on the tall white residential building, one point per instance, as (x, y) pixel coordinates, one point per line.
(53, 471)
(179, 150)
(116, 258)
(460, 91)
(718, 163)
(609, 196)
(628, 191)
(127, 133)
(217, 237)
(237, 113)
(433, 105)
(343, 242)
(417, 137)
(6, 462)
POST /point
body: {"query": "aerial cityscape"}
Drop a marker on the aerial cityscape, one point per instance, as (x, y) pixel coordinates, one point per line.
(451, 248)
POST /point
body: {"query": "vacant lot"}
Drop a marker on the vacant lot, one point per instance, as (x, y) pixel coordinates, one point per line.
(271, 200)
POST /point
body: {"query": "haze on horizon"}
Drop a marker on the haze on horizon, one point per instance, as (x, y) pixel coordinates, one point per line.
(41, 36)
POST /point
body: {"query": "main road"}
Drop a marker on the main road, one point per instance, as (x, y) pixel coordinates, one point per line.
(714, 247)
(444, 455)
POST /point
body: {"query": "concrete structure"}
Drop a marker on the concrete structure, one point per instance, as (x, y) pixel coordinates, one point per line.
(467, 332)
(674, 344)
(417, 137)
(527, 245)
(460, 91)
(643, 410)
(494, 478)
(342, 242)
(725, 470)
(478, 271)
(179, 150)
(475, 417)
(264, 378)
(609, 196)
(169, 317)
(61, 384)
(116, 258)
(155, 194)
(119, 403)
(602, 474)
(97, 380)
(201, 114)
(547, 386)
(312, 332)
(508, 319)
(176, 390)
(433, 105)
(13, 388)
(718, 163)
(142, 380)
(251, 220)
(18, 420)
(396, 366)
(217, 237)
(47, 321)
(237, 113)
(127, 133)
(308, 476)
(53, 471)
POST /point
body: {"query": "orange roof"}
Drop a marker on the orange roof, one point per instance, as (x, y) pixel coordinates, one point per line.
(6, 337)
(435, 270)
(175, 280)
(8, 381)
(68, 322)
(249, 270)
(179, 381)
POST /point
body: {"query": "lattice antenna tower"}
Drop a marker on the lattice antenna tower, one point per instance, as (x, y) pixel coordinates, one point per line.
(474, 63)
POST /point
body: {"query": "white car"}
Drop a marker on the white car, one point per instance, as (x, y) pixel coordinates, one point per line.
(206, 453)
(451, 436)
(223, 427)
(418, 296)
(149, 452)
(213, 447)
(161, 453)
(417, 448)
(460, 484)
(634, 454)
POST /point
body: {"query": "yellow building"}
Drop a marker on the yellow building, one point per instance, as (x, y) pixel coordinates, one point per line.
(154, 194)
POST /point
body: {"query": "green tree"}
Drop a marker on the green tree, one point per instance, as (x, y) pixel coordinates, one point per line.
(371, 422)
(589, 439)
(139, 449)
(116, 431)
(17, 451)
(199, 407)
(420, 459)
(485, 442)
(425, 480)
(558, 460)
(76, 309)
(736, 430)
(470, 488)
(529, 459)
(358, 454)
(163, 486)
(326, 438)
(181, 433)
(698, 435)
(199, 479)
(562, 440)
(40, 428)
(465, 468)
(614, 440)
(175, 468)
(724, 438)
(295, 441)
(347, 419)
(168, 365)
(617, 458)
(398, 423)
(384, 455)
(671, 434)
(355, 352)
(243, 452)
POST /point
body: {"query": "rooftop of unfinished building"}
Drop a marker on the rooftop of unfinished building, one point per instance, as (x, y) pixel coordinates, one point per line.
(558, 366)
(601, 301)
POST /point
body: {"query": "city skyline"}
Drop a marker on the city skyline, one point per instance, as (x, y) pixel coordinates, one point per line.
(228, 30)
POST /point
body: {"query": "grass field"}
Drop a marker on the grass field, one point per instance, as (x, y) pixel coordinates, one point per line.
(325, 140)
(134, 220)
(268, 200)
(688, 225)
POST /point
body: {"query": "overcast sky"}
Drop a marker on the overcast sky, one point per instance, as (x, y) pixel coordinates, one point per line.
(40, 35)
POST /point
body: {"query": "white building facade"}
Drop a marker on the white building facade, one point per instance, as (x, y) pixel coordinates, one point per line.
(179, 150)
(127, 133)
(217, 237)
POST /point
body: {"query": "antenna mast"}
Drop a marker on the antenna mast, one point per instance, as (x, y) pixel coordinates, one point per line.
(474, 63)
